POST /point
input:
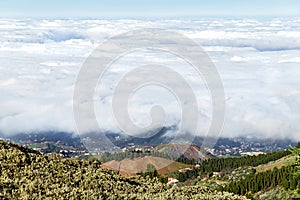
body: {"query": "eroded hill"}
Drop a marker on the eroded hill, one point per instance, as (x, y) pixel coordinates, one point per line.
(183, 151)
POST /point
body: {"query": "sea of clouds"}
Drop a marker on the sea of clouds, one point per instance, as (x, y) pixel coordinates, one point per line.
(258, 61)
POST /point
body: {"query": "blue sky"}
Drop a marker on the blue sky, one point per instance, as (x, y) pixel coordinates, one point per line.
(148, 8)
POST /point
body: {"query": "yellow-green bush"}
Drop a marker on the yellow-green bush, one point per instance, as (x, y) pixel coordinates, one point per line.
(26, 174)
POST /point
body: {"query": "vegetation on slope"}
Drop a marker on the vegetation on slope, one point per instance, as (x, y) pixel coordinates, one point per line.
(219, 164)
(264, 180)
(227, 164)
(287, 177)
(287, 160)
(26, 174)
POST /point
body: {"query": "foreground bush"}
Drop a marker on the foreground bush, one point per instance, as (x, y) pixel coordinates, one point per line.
(25, 174)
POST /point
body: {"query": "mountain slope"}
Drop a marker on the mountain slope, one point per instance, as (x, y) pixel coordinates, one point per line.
(184, 151)
(129, 167)
(25, 174)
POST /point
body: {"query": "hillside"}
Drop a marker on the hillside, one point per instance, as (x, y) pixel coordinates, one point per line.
(128, 167)
(26, 174)
(183, 151)
(277, 163)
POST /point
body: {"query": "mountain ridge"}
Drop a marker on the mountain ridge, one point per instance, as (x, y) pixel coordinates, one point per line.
(186, 151)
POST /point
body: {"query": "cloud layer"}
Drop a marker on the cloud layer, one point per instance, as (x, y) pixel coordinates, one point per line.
(258, 61)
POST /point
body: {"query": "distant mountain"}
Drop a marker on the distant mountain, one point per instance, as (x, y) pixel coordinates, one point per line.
(183, 151)
(159, 138)
(66, 138)
(111, 141)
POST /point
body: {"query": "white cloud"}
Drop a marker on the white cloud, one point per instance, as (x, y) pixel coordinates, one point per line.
(258, 61)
